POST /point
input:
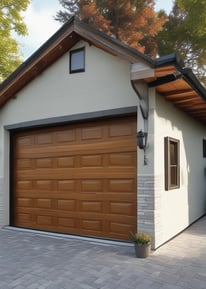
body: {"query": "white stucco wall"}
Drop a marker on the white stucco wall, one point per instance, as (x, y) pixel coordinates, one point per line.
(176, 209)
(104, 85)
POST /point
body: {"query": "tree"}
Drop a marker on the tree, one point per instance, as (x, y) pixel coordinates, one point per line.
(11, 22)
(133, 22)
(185, 33)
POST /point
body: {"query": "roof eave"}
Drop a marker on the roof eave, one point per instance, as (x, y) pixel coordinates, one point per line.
(187, 73)
(37, 53)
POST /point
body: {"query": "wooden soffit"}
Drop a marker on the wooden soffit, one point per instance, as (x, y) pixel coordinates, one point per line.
(180, 87)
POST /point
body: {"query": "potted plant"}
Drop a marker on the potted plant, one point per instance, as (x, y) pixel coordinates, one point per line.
(142, 244)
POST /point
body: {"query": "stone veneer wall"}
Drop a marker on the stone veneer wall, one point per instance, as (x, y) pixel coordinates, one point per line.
(3, 205)
(149, 207)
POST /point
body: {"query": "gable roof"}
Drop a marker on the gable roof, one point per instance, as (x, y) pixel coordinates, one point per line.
(166, 74)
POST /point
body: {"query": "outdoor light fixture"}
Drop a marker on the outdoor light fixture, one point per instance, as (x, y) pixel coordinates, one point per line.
(142, 139)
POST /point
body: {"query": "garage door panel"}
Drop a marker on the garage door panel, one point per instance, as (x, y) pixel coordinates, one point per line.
(78, 179)
(91, 206)
(24, 202)
(44, 220)
(24, 141)
(67, 222)
(44, 163)
(120, 129)
(119, 218)
(24, 218)
(66, 205)
(44, 203)
(42, 184)
(117, 229)
(122, 185)
(89, 186)
(24, 164)
(120, 229)
(122, 159)
(92, 133)
(66, 162)
(24, 185)
(95, 173)
(64, 198)
(66, 185)
(114, 159)
(122, 145)
(122, 208)
(91, 225)
(92, 161)
(41, 194)
(66, 136)
(43, 139)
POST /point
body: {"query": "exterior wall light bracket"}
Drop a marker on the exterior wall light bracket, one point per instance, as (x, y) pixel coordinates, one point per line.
(142, 139)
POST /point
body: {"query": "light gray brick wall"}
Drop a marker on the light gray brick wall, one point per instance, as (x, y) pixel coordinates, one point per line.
(149, 207)
(2, 203)
(158, 211)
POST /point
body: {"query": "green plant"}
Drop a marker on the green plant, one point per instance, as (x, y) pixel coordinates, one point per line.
(140, 238)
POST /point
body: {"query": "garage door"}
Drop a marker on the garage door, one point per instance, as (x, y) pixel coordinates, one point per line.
(77, 178)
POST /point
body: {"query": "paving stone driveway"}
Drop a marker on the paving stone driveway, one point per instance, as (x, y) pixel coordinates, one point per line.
(35, 261)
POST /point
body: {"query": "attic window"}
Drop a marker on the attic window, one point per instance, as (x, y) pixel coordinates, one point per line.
(77, 60)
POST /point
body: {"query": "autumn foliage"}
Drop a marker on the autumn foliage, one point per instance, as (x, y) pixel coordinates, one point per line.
(185, 34)
(134, 23)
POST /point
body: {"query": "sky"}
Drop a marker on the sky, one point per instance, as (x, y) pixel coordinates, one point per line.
(41, 25)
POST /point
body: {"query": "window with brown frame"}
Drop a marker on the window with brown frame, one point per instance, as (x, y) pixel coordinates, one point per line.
(172, 163)
(204, 148)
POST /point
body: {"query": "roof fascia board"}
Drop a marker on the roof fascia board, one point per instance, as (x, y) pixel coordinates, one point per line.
(80, 29)
(43, 48)
(187, 73)
(140, 70)
(34, 66)
(191, 79)
(111, 45)
(167, 60)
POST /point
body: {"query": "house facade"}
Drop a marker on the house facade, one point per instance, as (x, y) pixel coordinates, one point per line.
(98, 140)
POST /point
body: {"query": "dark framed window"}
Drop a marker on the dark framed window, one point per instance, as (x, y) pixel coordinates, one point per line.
(77, 60)
(172, 163)
(204, 148)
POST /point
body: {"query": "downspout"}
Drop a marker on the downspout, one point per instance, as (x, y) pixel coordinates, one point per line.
(141, 89)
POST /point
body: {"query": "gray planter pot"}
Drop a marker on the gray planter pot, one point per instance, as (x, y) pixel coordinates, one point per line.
(142, 250)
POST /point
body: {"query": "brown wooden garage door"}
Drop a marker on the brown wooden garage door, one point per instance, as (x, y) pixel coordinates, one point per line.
(78, 179)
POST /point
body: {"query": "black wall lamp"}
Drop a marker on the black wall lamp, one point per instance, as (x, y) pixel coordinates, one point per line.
(142, 139)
